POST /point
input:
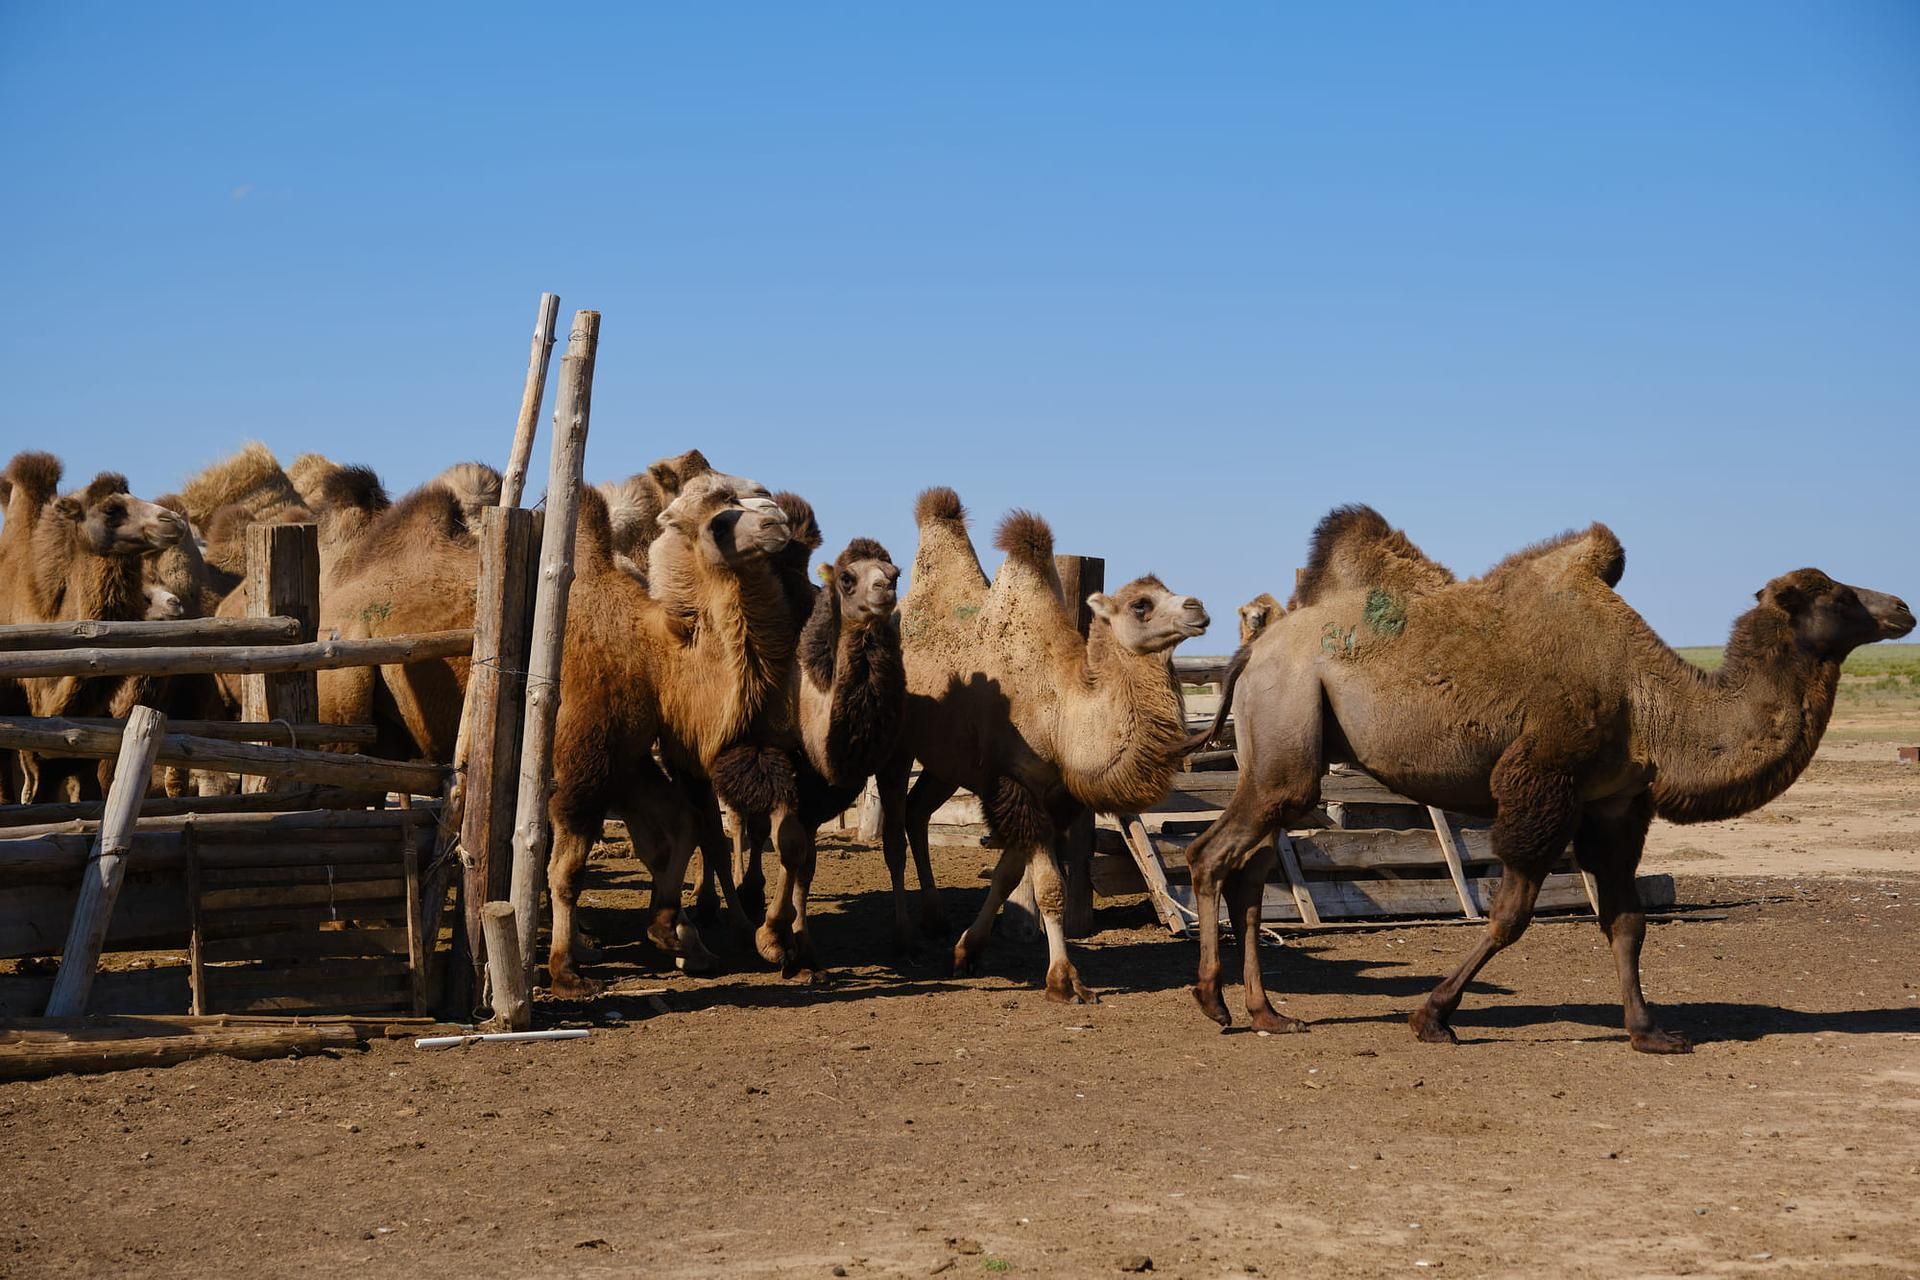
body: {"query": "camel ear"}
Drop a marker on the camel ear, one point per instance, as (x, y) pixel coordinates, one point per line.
(1102, 606)
(665, 476)
(68, 509)
(1787, 597)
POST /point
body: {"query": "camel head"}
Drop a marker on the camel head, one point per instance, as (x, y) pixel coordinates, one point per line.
(162, 605)
(1256, 614)
(109, 521)
(730, 521)
(1831, 619)
(1148, 618)
(864, 580)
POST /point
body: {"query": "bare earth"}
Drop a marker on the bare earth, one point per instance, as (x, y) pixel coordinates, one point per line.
(892, 1122)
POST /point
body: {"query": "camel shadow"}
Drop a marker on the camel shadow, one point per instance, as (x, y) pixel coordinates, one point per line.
(1702, 1021)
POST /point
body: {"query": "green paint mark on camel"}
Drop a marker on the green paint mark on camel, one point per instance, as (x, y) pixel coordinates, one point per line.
(1385, 614)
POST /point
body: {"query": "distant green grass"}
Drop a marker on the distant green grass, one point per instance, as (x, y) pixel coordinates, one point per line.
(1878, 680)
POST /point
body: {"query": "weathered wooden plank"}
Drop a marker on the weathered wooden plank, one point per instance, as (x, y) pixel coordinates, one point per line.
(35, 1059)
(316, 945)
(1453, 849)
(341, 892)
(132, 635)
(150, 914)
(306, 734)
(283, 580)
(323, 655)
(294, 977)
(125, 991)
(14, 817)
(234, 922)
(107, 866)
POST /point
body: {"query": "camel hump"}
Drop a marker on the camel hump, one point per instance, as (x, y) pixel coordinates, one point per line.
(34, 474)
(803, 525)
(939, 504)
(252, 476)
(1354, 546)
(474, 484)
(1027, 538)
(354, 488)
(1593, 551)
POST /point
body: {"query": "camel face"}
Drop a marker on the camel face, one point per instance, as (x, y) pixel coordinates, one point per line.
(1832, 619)
(1148, 618)
(1256, 614)
(867, 588)
(116, 523)
(728, 526)
(162, 605)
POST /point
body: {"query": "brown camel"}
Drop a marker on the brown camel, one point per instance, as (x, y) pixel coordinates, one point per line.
(81, 556)
(634, 504)
(1533, 696)
(639, 670)
(1256, 615)
(1005, 698)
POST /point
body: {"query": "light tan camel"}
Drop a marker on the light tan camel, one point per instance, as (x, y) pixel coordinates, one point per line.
(634, 504)
(1533, 696)
(1256, 615)
(1005, 698)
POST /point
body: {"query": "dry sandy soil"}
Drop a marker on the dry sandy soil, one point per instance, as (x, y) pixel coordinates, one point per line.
(892, 1122)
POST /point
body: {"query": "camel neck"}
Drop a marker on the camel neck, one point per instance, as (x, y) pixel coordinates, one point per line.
(1726, 743)
(1121, 717)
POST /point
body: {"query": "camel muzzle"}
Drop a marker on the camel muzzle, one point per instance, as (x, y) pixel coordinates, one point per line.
(1891, 612)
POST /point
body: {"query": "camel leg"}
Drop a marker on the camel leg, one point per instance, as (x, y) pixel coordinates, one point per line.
(927, 796)
(801, 962)
(1215, 858)
(774, 938)
(1246, 888)
(891, 783)
(667, 861)
(1609, 848)
(1534, 819)
(716, 858)
(564, 869)
(1050, 893)
(972, 946)
(756, 831)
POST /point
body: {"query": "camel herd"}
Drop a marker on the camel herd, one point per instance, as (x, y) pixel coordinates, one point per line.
(705, 666)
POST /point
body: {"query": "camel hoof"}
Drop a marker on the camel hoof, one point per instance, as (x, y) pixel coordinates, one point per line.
(1211, 1005)
(1427, 1026)
(706, 910)
(565, 984)
(771, 945)
(965, 965)
(1660, 1042)
(1274, 1022)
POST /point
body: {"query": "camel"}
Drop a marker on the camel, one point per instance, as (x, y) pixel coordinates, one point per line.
(1005, 698)
(634, 505)
(68, 558)
(695, 669)
(1534, 696)
(1256, 615)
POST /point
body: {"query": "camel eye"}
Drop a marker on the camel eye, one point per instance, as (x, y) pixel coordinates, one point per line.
(846, 581)
(1142, 607)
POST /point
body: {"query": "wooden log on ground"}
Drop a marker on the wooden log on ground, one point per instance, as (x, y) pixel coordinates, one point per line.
(105, 870)
(283, 580)
(332, 768)
(508, 995)
(486, 770)
(514, 481)
(85, 1055)
(133, 635)
(323, 655)
(532, 836)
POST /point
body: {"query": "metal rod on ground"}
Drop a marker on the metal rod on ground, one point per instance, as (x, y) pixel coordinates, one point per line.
(283, 581)
(485, 762)
(107, 867)
(514, 482)
(325, 655)
(509, 1000)
(116, 635)
(532, 836)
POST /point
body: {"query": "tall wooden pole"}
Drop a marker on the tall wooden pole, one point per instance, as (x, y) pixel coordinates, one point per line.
(514, 482)
(107, 867)
(491, 723)
(532, 834)
(283, 580)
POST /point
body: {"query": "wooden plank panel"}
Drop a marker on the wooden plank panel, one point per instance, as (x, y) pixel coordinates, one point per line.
(297, 976)
(319, 944)
(344, 893)
(133, 991)
(239, 923)
(270, 877)
(150, 915)
(1370, 899)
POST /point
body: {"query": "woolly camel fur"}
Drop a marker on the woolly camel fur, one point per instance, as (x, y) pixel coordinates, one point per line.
(1533, 696)
(1256, 615)
(1005, 698)
(637, 670)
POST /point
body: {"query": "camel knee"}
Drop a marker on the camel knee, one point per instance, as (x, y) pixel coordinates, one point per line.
(1505, 927)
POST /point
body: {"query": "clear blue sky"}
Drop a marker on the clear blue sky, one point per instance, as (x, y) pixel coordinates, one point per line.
(1180, 277)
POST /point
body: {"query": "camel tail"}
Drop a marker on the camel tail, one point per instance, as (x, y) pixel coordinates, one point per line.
(1212, 731)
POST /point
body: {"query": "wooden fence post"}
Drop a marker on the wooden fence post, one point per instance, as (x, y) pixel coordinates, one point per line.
(485, 769)
(514, 482)
(107, 866)
(283, 580)
(532, 834)
(511, 1004)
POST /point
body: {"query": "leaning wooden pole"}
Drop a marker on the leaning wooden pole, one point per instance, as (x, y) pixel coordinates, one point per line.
(514, 482)
(107, 865)
(532, 835)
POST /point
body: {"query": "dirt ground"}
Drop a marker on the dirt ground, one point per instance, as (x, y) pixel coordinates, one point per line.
(894, 1122)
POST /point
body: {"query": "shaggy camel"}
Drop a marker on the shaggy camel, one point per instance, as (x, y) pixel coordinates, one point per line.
(69, 558)
(634, 504)
(1005, 698)
(1256, 615)
(845, 703)
(696, 672)
(1533, 696)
